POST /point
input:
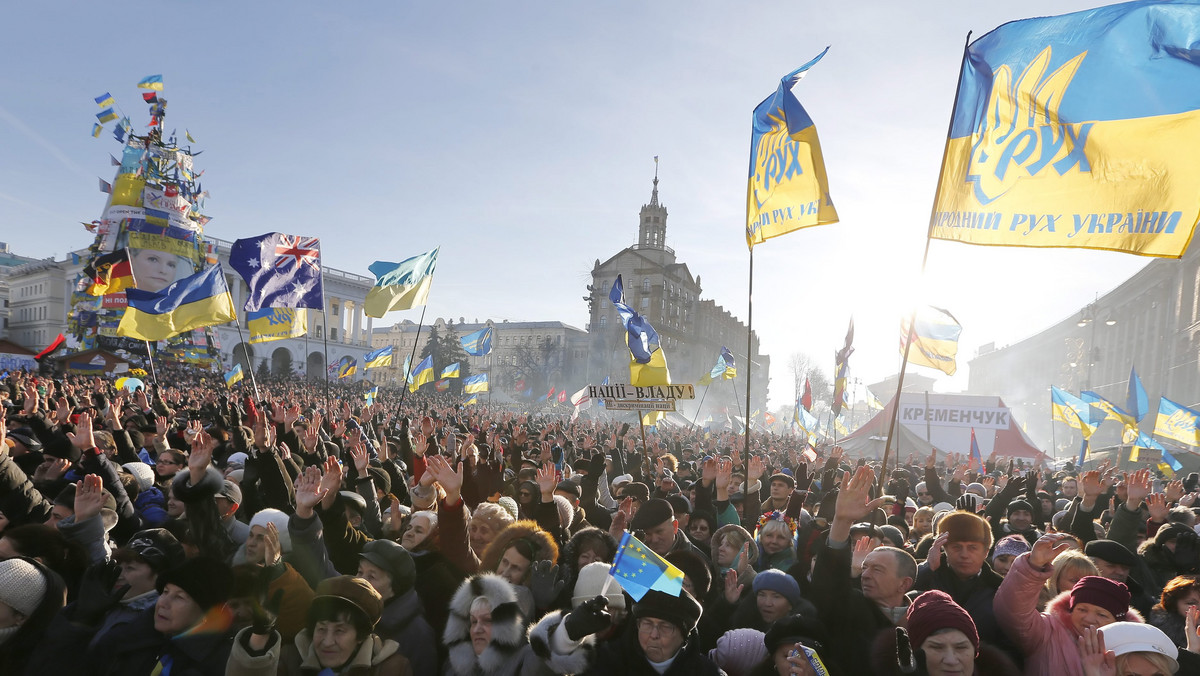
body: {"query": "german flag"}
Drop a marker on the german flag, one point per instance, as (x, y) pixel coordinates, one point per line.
(109, 273)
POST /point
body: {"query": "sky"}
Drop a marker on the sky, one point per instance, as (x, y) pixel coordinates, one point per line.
(520, 138)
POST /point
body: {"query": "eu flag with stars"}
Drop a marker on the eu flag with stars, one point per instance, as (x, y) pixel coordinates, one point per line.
(280, 270)
(638, 569)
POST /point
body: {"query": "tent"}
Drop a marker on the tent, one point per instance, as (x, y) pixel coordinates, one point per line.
(943, 421)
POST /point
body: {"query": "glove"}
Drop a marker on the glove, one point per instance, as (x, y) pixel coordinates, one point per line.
(544, 583)
(596, 465)
(96, 593)
(590, 617)
(263, 617)
(905, 659)
(967, 502)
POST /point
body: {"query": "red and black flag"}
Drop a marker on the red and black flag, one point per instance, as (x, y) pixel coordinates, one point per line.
(109, 273)
(58, 342)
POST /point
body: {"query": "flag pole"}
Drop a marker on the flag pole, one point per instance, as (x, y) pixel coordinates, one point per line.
(150, 360)
(246, 353)
(912, 317)
(701, 404)
(325, 342)
(749, 352)
(413, 356)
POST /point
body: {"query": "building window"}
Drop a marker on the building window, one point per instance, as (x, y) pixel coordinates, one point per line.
(645, 302)
(646, 285)
(603, 321)
(333, 309)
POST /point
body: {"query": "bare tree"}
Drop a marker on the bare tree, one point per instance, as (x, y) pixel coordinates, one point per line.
(802, 366)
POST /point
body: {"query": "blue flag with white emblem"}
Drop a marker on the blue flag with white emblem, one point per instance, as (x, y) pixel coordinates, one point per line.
(280, 270)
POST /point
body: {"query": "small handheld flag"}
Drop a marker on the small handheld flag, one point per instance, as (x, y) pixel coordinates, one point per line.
(234, 376)
(638, 570)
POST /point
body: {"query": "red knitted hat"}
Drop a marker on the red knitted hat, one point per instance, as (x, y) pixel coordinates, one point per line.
(1101, 591)
(935, 610)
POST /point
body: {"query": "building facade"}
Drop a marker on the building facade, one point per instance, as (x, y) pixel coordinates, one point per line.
(541, 354)
(692, 330)
(39, 293)
(1150, 322)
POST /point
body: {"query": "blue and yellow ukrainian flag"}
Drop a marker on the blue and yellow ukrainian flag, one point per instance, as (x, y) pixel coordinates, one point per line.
(1066, 407)
(451, 371)
(96, 130)
(370, 395)
(377, 358)
(199, 300)
(479, 343)
(154, 82)
(1177, 422)
(1066, 133)
(934, 339)
(788, 189)
(1136, 403)
(106, 115)
(422, 374)
(476, 384)
(638, 569)
(1111, 410)
(276, 323)
(234, 376)
(105, 100)
(400, 286)
(473, 399)
(348, 367)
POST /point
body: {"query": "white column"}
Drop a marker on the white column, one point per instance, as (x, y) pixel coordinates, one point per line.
(357, 319)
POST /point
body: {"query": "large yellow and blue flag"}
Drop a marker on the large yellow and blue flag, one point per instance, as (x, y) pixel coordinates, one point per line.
(106, 115)
(1066, 133)
(400, 286)
(105, 100)
(724, 368)
(1066, 407)
(471, 399)
(195, 301)
(422, 374)
(479, 343)
(787, 187)
(648, 364)
(378, 358)
(1111, 410)
(234, 376)
(638, 569)
(154, 82)
(451, 371)
(1177, 422)
(97, 129)
(841, 370)
(873, 401)
(347, 367)
(476, 384)
(276, 323)
(934, 335)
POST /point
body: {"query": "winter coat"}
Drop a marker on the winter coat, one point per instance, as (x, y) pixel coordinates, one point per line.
(375, 657)
(621, 655)
(991, 661)
(403, 621)
(974, 595)
(1047, 640)
(840, 603)
(508, 653)
(1171, 624)
(19, 500)
(437, 578)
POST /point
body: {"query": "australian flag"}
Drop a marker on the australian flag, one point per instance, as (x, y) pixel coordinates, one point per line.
(280, 270)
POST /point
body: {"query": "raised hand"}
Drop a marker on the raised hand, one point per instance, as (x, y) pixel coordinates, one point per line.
(1047, 548)
(733, 590)
(420, 444)
(358, 451)
(450, 478)
(331, 482)
(89, 497)
(854, 499)
(862, 547)
(621, 518)
(934, 559)
(161, 427)
(83, 438)
(272, 550)
(1174, 491)
(1157, 504)
(310, 438)
(309, 492)
(545, 583)
(1137, 487)
(756, 469)
(1095, 659)
(967, 502)
(547, 481)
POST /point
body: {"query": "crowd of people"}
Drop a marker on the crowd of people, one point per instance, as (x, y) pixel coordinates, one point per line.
(288, 529)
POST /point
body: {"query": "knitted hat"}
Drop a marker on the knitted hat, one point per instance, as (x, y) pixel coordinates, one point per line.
(592, 578)
(682, 611)
(393, 559)
(695, 568)
(566, 513)
(786, 478)
(943, 507)
(965, 527)
(1011, 545)
(779, 582)
(280, 520)
(509, 505)
(206, 580)
(934, 611)
(142, 472)
(1016, 505)
(739, 651)
(1111, 551)
(1134, 637)
(651, 514)
(977, 489)
(1103, 592)
(22, 586)
(352, 592)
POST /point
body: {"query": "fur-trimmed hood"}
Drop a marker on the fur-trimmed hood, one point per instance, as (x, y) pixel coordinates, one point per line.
(576, 661)
(508, 626)
(546, 549)
(1059, 608)
(570, 552)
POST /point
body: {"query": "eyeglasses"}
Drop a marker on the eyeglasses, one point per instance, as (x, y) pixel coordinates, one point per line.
(170, 462)
(648, 626)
